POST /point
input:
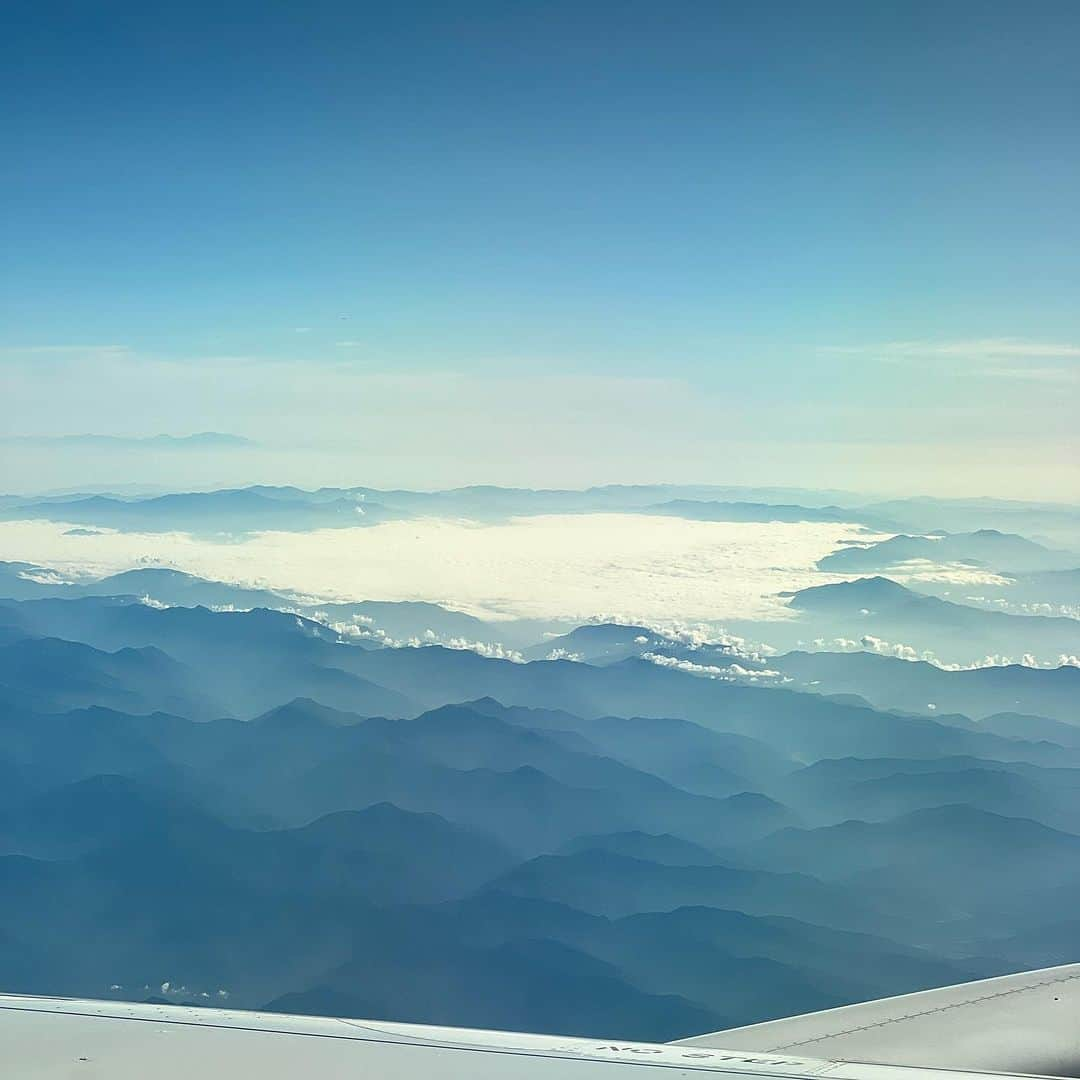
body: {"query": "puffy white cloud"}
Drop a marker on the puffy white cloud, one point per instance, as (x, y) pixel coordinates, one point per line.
(878, 645)
(41, 576)
(727, 673)
(869, 643)
(564, 654)
(491, 649)
(696, 635)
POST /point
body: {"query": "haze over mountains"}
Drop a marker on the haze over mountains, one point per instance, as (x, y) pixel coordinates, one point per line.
(266, 506)
(225, 792)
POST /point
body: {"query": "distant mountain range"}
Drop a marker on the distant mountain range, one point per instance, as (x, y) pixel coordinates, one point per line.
(240, 511)
(916, 686)
(378, 619)
(882, 609)
(985, 548)
(874, 615)
(698, 510)
(979, 570)
(1059, 523)
(205, 440)
(218, 794)
(609, 643)
(246, 509)
(1041, 592)
(256, 508)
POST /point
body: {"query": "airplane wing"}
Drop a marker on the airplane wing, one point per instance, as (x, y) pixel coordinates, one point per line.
(1026, 1023)
(45, 1038)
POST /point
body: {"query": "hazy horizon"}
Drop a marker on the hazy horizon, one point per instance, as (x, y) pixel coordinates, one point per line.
(820, 246)
(332, 426)
(63, 464)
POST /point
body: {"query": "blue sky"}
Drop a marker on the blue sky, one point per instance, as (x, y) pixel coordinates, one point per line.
(814, 243)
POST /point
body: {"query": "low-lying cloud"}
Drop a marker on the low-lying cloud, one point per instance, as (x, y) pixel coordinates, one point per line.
(624, 568)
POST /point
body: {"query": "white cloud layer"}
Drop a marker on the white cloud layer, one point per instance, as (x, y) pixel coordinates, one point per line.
(627, 568)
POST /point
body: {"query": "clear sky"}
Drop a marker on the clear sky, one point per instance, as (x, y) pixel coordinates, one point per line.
(830, 244)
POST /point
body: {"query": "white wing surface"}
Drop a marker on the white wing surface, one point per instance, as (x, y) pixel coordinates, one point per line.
(1028, 1024)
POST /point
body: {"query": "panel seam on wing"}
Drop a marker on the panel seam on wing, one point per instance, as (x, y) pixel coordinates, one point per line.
(927, 1012)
